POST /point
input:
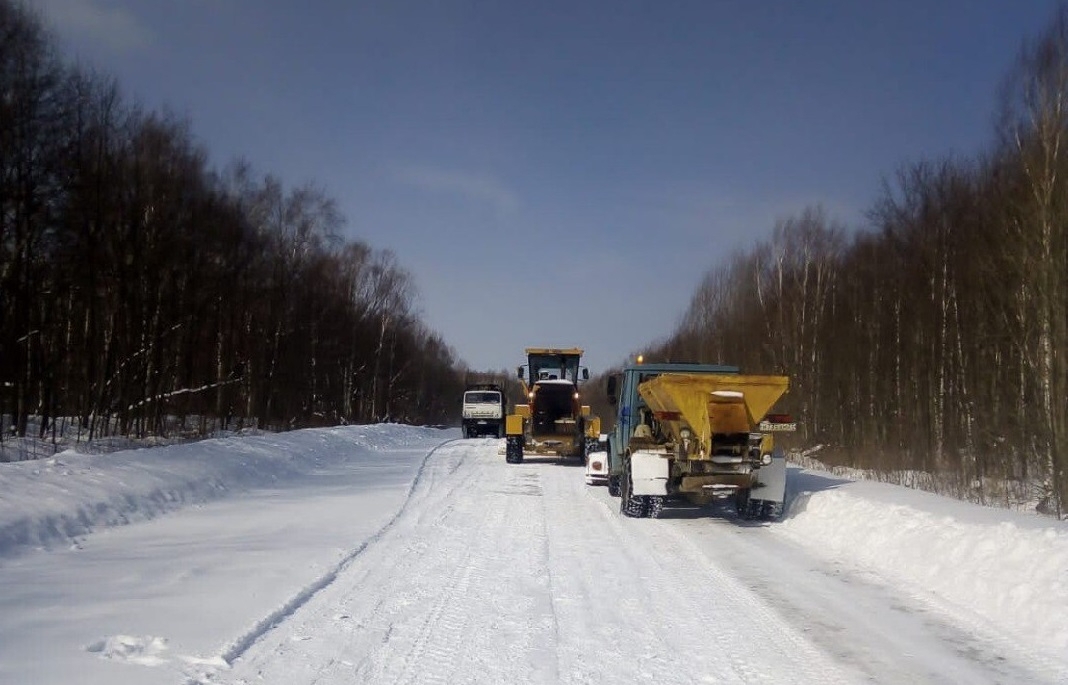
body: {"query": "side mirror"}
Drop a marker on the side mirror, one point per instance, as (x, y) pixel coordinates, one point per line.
(585, 374)
(519, 372)
(612, 389)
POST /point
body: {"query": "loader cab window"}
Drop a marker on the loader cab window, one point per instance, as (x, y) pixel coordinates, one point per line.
(545, 367)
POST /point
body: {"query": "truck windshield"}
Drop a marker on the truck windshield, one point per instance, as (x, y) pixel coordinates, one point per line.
(482, 397)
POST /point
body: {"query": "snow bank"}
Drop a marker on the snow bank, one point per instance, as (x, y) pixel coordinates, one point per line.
(54, 501)
(1004, 567)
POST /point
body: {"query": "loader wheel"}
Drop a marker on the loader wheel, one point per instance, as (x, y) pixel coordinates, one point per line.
(513, 450)
(656, 506)
(630, 505)
(741, 502)
(614, 489)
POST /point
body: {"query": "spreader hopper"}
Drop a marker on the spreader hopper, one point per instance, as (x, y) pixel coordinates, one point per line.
(712, 403)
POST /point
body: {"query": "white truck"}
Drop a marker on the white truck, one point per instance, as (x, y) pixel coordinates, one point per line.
(484, 411)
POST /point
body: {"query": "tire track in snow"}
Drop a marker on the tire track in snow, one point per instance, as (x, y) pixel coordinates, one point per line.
(241, 645)
(455, 591)
(464, 567)
(635, 603)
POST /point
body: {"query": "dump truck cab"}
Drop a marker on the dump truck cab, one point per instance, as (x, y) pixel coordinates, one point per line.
(484, 410)
(698, 432)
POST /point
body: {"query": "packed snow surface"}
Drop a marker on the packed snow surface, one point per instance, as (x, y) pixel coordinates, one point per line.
(397, 554)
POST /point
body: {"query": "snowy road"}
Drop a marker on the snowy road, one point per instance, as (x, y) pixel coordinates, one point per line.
(493, 573)
(394, 554)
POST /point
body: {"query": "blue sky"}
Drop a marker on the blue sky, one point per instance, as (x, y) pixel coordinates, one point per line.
(565, 172)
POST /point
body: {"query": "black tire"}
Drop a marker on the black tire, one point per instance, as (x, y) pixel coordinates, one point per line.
(741, 502)
(656, 506)
(614, 489)
(513, 450)
(770, 511)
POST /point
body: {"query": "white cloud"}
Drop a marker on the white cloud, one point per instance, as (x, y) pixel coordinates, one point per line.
(114, 28)
(476, 187)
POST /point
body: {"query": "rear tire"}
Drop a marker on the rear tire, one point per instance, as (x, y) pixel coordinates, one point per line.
(771, 511)
(614, 489)
(741, 502)
(513, 450)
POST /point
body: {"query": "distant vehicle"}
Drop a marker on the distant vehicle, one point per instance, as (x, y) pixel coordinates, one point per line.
(597, 461)
(484, 410)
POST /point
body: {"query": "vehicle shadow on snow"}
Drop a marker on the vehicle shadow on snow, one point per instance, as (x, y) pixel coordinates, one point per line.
(800, 483)
(552, 460)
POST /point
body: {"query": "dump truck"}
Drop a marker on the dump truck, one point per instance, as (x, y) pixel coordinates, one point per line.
(552, 421)
(484, 410)
(697, 432)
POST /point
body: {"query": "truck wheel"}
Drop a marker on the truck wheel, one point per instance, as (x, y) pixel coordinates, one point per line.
(513, 450)
(771, 511)
(631, 505)
(613, 486)
(656, 506)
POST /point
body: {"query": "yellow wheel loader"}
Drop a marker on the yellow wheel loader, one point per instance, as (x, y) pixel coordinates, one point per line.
(552, 421)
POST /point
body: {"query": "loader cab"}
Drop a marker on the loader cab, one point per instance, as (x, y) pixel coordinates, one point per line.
(552, 378)
(554, 364)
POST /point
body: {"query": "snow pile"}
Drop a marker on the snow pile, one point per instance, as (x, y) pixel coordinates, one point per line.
(54, 501)
(1003, 567)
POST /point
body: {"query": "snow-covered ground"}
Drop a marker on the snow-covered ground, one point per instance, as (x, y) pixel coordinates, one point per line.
(390, 554)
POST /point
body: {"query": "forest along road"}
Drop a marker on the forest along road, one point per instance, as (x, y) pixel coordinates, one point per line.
(497, 573)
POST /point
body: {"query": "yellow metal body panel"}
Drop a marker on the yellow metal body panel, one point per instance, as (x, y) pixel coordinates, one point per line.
(554, 350)
(585, 410)
(593, 427)
(522, 411)
(712, 403)
(513, 424)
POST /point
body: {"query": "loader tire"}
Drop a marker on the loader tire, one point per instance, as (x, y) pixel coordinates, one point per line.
(656, 506)
(741, 502)
(614, 489)
(513, 450)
